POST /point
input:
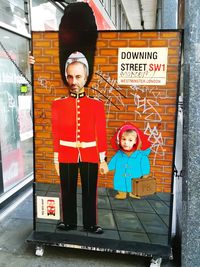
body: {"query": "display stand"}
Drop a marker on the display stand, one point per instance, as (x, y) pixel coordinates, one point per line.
(155, 252)
(131, 226)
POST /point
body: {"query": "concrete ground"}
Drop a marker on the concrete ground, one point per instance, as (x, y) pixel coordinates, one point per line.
(17, 224)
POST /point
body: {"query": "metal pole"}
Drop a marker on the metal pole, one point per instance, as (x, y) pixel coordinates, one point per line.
(191, 137)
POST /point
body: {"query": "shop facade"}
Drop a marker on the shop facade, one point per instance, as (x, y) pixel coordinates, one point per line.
(16, 131)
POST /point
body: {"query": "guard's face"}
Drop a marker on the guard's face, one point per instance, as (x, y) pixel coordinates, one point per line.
(128, 140)
(76, 77)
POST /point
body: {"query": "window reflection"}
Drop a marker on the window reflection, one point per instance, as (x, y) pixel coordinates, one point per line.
(45, 16)
(15, 113)
(14, 14)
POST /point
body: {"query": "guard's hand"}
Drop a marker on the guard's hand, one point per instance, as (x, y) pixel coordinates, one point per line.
(103, 168)
(57, 168)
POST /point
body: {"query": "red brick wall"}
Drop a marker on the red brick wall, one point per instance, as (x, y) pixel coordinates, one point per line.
(156, 113)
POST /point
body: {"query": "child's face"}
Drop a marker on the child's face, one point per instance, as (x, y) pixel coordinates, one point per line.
(128, 140)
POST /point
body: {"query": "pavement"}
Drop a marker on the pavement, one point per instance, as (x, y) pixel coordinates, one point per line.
(16, 225)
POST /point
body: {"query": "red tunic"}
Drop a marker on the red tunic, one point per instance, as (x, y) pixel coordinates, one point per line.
(76, 120)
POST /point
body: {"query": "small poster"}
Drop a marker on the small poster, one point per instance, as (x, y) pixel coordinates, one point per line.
(142, 66)
(25, 120)
(48, 208)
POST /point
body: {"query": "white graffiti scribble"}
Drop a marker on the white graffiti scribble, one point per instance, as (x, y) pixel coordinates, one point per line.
(156, 140)
(46, 84)
(149, 92)
(111, 91)
(147, 105)
(142, 89)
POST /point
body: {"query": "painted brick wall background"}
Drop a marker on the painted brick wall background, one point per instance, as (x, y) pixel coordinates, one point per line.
(151, 108)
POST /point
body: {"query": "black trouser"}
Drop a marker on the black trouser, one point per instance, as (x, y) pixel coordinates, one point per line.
(68, 178)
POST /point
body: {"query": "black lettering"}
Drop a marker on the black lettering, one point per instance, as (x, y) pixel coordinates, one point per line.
(155, 55)
(139, 55)
(128, 55)
(123, 55)
(122, 67)
(131, 67)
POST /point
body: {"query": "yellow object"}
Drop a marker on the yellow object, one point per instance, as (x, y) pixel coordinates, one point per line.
(121, 195)
(133, 196)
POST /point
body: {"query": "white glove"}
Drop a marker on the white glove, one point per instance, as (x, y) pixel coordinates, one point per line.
(57, 168)
(103, 168)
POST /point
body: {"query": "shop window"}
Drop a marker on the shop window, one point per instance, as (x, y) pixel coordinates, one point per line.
(45, 16)
(14, 14)
(16, 133)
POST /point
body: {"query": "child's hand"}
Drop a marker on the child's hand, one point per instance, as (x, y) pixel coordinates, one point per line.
(146, 176)
(103, 168)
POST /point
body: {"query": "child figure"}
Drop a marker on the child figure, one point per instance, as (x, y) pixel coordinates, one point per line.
(131, 159)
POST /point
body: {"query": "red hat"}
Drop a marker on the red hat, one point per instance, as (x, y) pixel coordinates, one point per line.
(142, 139)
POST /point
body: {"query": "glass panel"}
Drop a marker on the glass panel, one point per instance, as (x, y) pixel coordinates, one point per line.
(45, 16)
(17, 3)
(13, 14)
(15, 106)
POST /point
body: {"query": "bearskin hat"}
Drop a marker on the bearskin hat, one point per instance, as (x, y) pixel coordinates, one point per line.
(77, 32)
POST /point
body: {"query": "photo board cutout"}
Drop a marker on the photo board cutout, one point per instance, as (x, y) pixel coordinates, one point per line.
(143, 221)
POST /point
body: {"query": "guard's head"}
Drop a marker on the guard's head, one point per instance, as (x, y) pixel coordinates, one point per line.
(77, 57)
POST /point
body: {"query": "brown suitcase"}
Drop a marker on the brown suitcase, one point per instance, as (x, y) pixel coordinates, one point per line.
(144, 186)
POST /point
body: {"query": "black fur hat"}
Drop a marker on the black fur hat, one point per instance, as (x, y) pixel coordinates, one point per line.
(77, 32)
